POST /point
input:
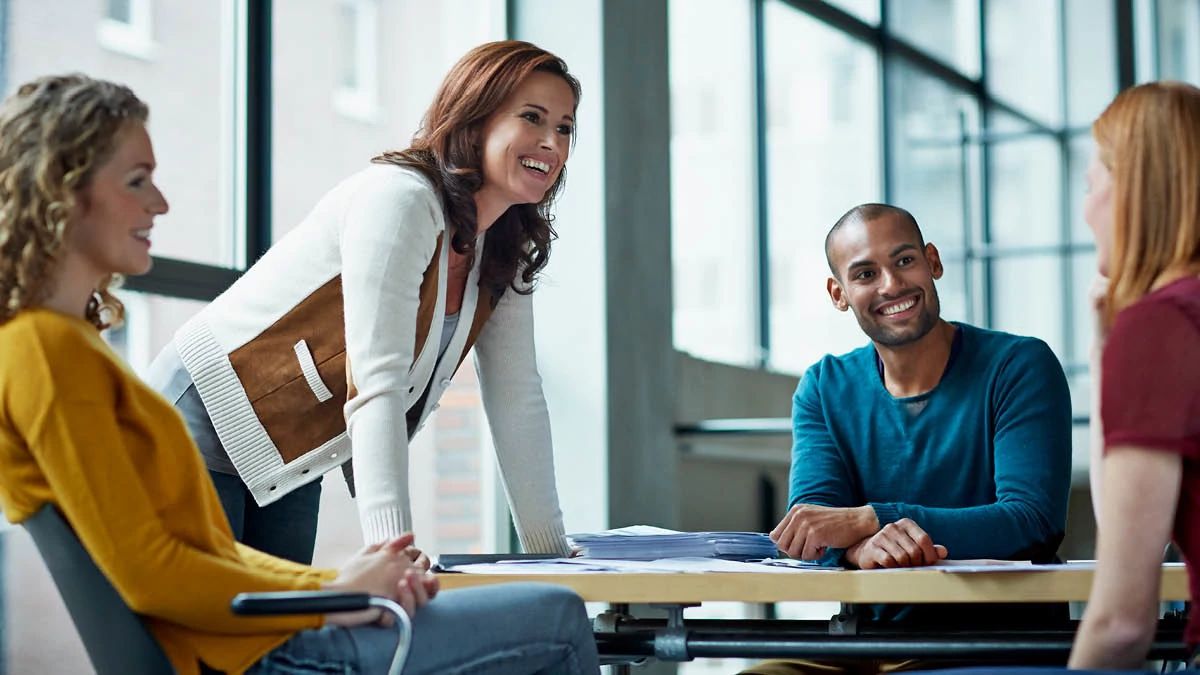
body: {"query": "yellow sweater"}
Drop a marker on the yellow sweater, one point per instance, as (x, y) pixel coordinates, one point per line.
(78, 429)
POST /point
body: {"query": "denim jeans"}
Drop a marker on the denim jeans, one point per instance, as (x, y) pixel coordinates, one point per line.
(507, 629)
(286, 528)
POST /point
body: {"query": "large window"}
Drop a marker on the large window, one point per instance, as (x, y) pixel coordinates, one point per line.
(973, 115)
(713, 180)
(822, 150)
(244, 151)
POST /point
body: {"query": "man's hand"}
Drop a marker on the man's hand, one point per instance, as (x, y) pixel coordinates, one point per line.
(899, 544)
(807, 530)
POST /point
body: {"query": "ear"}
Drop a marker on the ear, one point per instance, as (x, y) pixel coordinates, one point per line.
(837, 294)
(935, 261)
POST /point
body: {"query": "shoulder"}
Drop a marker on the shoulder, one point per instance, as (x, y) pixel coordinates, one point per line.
(385, 191)
(840, 370)
(397, 182)
(1163, 322)
(1000, 349)
(54, 354)
(37, 335)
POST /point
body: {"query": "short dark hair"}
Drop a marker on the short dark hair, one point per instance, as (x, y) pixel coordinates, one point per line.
(865, 213)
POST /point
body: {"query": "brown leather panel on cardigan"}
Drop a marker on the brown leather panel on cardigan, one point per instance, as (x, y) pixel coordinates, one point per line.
(271, 376)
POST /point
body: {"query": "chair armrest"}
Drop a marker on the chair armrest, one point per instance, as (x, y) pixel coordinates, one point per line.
(327, 602)
(299, 602)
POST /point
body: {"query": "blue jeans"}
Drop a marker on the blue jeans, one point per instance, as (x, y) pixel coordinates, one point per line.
(507, 629)
(285, 529)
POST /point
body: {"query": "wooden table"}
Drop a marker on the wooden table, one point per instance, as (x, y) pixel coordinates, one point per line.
(624, 638)
(850, 586)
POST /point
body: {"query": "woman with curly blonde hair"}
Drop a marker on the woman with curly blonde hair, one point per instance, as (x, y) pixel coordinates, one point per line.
(80, 432)
(55, 135)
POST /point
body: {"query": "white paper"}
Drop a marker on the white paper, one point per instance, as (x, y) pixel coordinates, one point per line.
(663, 566)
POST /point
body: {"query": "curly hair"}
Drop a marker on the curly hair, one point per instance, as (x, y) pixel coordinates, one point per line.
(54, 133)
(446, 150)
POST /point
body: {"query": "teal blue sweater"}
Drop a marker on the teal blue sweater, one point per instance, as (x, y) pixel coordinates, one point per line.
(984, 466)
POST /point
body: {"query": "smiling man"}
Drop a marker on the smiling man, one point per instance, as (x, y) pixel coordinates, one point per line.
(937, 439)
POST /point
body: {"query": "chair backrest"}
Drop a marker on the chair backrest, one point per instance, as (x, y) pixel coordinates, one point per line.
(116, 640)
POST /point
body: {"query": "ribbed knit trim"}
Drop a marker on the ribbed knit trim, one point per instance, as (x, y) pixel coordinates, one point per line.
(251, 450)
(383, 524)
(886, 513)
(552, 539)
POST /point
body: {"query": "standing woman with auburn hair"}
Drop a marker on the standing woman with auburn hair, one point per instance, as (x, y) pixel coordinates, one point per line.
(343, 337)
(1143, 204)
(80, 432)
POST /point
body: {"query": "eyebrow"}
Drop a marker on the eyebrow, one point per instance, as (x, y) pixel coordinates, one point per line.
(143, 165)
(895, 252)
(547, 112)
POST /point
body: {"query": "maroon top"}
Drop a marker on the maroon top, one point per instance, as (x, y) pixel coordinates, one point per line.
(1150, 397)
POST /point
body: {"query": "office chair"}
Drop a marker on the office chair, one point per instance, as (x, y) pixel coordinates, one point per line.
(116, 640)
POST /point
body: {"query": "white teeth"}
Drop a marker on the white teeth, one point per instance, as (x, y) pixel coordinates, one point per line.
(896, 309)
(536, 165)
(142, 234)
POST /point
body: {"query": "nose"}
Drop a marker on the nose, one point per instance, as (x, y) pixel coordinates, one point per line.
(158, 203)
(551, 141)
(889, 283)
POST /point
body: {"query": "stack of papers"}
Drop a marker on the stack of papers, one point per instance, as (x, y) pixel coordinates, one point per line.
(642, 542)
(670, 565)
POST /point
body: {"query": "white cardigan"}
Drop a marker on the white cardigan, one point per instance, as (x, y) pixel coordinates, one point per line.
(379, 230)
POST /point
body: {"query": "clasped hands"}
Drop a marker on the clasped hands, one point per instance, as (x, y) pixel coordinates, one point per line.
(808, 530)
(393, 569)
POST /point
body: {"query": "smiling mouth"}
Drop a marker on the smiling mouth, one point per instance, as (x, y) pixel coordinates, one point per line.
(534, 165)
(898, 307)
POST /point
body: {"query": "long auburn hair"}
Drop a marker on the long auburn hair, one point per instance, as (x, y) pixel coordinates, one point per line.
(447, 149)
(54, 132)
(1149, 138)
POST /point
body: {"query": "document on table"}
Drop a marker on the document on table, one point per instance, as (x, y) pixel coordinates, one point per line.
(644, 542)
(662, 566)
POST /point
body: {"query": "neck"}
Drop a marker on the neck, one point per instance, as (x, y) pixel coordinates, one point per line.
(73, 287)
(1170, 276)
(916, 368)
(488, 209)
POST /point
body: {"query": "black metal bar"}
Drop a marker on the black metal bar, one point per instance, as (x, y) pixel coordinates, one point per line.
(762, 212)
(183, 279)
(1126, 44)
(259, 110)
(810, 639)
